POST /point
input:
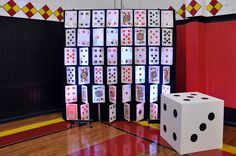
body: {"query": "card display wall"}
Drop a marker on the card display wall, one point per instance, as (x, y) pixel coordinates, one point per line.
(118, 62)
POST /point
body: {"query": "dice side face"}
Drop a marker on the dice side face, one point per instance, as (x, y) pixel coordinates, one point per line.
(171, 113)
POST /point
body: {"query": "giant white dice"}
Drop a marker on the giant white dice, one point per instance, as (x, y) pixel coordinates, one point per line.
(192, 122)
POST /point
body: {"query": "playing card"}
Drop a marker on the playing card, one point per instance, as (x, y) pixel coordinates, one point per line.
(98, 38)
(167, 37)
(140, 18)
(139, 74)
(84, 93)
(126, 55)
(127, 111)
(98, 94)
(98, 74)
(166, 75)
(84, 19)
(112, 94)
(154, 36)
(70, 56)
(112, 113)
(139, 111)
(84, 56)
(84, 75)
(112, 18)
(126, 74)
(126, 36)
(153, 18)
(167, 18)
(126, 93)
(154, 74)
(165, 89)
(140, 36)
(153, 55)
(83, 37)
(71, 93)
(166, 55)
(70, 19)
(140, 55)
(126, 18)
(84, 112)
(112, 37)
(70, 37)
(70, 72)
(112, 56)
(98, 18)
(153, 93)
(111, 75)
(98, 56)
(71, 112)
(153, 111)
(140, 93)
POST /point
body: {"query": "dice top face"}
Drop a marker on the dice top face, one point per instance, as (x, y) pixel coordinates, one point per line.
(191, 98)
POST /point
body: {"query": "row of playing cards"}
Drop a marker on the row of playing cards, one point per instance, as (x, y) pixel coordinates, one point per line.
(72, 112)
(112, 18)
(154, 37)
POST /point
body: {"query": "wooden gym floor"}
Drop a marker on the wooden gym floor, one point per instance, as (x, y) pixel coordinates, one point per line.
(50, 135)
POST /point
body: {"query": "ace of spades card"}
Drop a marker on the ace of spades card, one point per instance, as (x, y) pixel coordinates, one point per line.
(98, 94)
(126, 93)
(70, 56)
(139, 111)
(167, 37)
(112, 37)
(112, 94)
(84, 93)
(71, 93)
(84, 75)
(154, 36)
(139, 74)
(140, 36)
(112, 56)
(153, 93)
(140, 93)
(71, 112)
(70, 19)
(126, 55)
(166, 55)
(98, 37)
(154, 18)
(112, 113)
(98, 18)
(112, 18)
(112, 75)
(126, 18)
(140, 18)
(84, 56)
(140, 55)
(127, 111)
(84, 19)
(84, 112)
(153, 111)
(167, 18)
(98, 56)
(126, 74)
(154, 74)
(166, 75)
(153, 55)
(83, 38)
(70, 72)
(165, 89)
(70, 37)
(98, 74)
(126, 36)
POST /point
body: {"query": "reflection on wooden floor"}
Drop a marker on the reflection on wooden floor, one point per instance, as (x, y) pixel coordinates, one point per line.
(118, 138)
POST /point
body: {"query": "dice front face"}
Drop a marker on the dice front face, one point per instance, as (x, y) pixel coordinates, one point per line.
(199, 118)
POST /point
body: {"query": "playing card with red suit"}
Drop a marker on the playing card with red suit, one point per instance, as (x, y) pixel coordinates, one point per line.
(112, 56)
(154, 36)
(84, 112)
(98, 74)
(126, 74)
(71, 112)
(153, 111)
(112, 18)
(140, 18)
(98, 37)
(70, 56)
(83, 37)
(166, 55)
(71, 93)
(140, 55)
(126, 36)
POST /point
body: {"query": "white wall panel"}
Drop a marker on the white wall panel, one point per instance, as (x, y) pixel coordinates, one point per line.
(88, 4)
